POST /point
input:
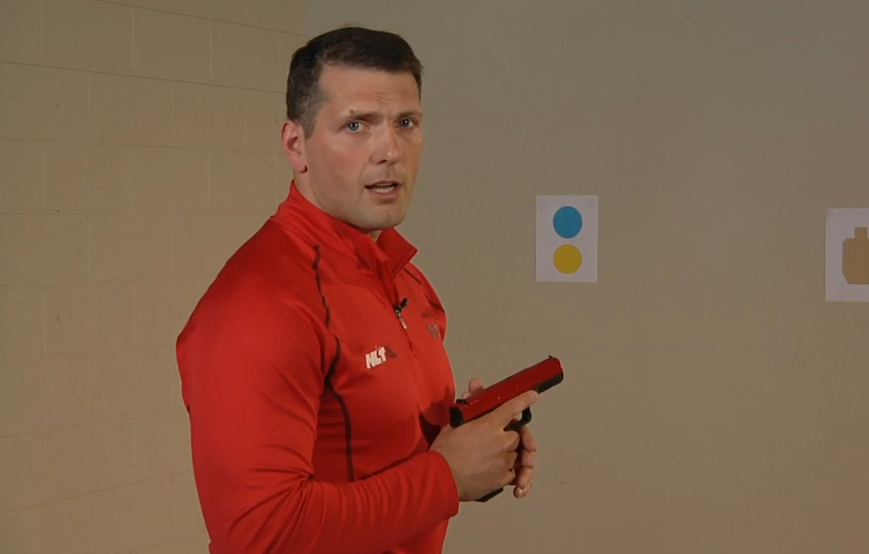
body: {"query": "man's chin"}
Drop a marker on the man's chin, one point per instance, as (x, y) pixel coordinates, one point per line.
(385, 221)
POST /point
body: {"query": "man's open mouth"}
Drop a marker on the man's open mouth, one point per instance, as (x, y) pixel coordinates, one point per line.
(384, 186)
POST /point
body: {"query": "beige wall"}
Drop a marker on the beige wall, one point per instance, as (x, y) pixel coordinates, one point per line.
(138, 148)
(713, 403)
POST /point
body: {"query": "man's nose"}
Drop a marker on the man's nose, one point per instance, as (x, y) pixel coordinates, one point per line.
(388, 149)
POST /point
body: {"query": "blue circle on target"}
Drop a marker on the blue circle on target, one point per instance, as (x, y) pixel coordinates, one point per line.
(567, 222)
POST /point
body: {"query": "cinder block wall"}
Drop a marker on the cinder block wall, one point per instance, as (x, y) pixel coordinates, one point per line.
(139, 147)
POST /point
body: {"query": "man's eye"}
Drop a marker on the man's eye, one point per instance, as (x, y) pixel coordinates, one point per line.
(406, 122)
(353, 125)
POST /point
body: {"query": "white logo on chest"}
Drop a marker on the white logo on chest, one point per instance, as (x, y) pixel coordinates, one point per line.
(375, 357)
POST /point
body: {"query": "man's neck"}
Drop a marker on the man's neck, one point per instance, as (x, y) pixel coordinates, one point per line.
(305, 190)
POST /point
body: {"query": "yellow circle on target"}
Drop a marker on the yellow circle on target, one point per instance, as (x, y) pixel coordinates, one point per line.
(567, 258)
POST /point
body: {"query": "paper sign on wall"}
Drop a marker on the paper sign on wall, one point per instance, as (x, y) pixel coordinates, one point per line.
(567, 238)
(847, 273)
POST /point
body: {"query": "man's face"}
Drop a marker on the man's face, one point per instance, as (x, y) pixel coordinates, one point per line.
(360, 162)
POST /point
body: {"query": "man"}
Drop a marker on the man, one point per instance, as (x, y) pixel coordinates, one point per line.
(314, 369)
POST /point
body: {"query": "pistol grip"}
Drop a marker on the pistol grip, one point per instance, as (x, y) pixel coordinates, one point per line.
(526, 419)
(491, 495)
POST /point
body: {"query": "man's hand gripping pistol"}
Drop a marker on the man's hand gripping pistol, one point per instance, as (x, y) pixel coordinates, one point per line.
(540, 377)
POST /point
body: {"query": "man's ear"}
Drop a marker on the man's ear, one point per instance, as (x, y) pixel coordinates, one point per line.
(293, 140)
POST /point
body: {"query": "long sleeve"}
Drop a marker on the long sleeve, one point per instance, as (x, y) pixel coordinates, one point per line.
(252, 376)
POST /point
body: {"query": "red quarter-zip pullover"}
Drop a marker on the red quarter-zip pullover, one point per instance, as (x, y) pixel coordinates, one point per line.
(315, 377)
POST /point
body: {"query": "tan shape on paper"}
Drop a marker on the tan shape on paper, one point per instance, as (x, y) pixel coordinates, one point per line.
(855, 257)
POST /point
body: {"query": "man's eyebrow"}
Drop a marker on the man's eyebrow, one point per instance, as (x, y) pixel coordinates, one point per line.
(360, 113)
(374, 114)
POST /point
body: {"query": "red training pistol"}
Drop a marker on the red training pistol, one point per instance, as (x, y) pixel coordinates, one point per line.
(540, 377)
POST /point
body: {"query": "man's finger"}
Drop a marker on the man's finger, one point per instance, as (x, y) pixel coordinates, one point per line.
(474, 386)
(529, 442)
(505, 413)
(528, 458)
(512, 442)
(523, 479)
(522, 492)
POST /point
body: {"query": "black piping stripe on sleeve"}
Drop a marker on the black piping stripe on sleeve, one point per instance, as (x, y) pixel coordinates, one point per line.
(332, 366)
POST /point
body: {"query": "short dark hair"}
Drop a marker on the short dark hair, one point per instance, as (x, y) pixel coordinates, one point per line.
(350, 46)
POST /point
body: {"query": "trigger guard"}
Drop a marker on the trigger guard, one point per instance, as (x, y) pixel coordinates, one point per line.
(526, 419)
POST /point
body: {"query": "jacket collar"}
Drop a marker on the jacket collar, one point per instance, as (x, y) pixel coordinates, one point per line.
(317, 227)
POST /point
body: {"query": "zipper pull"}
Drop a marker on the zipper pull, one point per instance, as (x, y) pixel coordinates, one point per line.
(398, 310)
